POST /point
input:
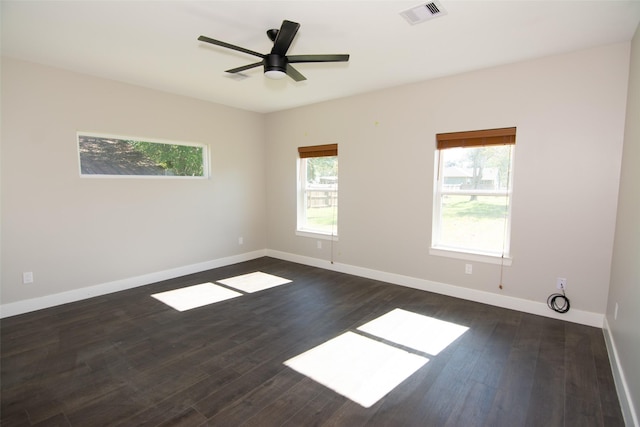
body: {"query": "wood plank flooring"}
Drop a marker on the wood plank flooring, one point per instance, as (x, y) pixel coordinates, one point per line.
(128, 359)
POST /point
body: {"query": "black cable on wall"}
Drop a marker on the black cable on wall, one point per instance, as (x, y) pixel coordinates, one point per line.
(559, 302)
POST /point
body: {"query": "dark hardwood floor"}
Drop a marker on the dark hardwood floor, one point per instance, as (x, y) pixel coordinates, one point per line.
(128, 359)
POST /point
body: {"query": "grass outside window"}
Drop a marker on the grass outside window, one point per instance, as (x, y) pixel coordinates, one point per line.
(473, 222)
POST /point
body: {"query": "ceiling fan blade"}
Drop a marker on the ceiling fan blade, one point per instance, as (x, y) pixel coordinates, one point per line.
(317, 58)
(229, 46)
(285, 37)
(245, 67)
(295, 74)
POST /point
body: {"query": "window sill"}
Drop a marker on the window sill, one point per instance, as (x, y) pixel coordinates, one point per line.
(470, 256)
(105, 176)
(316, 235)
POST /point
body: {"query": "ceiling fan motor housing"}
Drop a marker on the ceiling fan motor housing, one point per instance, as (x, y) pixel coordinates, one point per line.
(275, 62)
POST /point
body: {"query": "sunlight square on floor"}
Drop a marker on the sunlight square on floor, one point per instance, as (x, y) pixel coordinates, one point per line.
(416, 331)
(195, 296)
(360, 368)
(254, 282)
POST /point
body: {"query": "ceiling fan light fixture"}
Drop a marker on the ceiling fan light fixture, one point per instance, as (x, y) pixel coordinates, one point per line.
(275, 74)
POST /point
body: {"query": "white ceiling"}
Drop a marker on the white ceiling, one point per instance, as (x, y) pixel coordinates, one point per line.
(154, 43)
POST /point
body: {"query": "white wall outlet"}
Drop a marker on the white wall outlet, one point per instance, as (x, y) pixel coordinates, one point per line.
(468, 268)
(240, 240)
(27, 277)
(561, 283)
(319, 244)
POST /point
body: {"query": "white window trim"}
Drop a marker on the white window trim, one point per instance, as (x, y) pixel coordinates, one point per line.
(471, 256)
(316, 235)
(206, 172)
(462, 253)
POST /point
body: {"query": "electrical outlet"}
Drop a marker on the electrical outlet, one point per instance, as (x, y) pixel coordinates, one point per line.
(27, 277)
(240, 240)
(561, 283)
(468, 268)
(319, 244)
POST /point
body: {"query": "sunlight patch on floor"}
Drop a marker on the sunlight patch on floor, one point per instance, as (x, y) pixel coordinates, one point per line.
(416, 331)
(363, 369)
(195, 296)
(254, 282)
(359, 368)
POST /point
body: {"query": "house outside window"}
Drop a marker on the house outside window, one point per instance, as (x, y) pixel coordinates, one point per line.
(473, 193)
(318, 191)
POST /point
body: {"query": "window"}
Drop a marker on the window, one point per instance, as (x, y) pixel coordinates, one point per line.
(107, 155)
(473, 192)
(318, 190)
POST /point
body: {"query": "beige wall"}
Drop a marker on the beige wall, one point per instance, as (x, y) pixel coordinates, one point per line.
(625, 272)
(569, 112)
(74, 232)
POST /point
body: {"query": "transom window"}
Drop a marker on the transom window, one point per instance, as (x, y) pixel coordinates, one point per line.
(108, 155)
(318, 190)
(473, 192)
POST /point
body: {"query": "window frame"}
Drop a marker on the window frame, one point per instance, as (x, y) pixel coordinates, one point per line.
(206, 173)
(472, 139)
(305, 153)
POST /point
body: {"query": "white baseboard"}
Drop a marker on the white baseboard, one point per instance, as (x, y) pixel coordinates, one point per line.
(624, 396)
(527, 306)
(519, 304)
(26, 306)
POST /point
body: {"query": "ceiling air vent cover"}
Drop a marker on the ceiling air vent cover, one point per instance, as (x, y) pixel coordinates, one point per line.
(423, 12)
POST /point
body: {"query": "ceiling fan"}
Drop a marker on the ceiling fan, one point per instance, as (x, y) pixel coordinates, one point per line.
(277, 64)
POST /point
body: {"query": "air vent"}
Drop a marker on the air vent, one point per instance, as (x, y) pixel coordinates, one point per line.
(423, 12)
